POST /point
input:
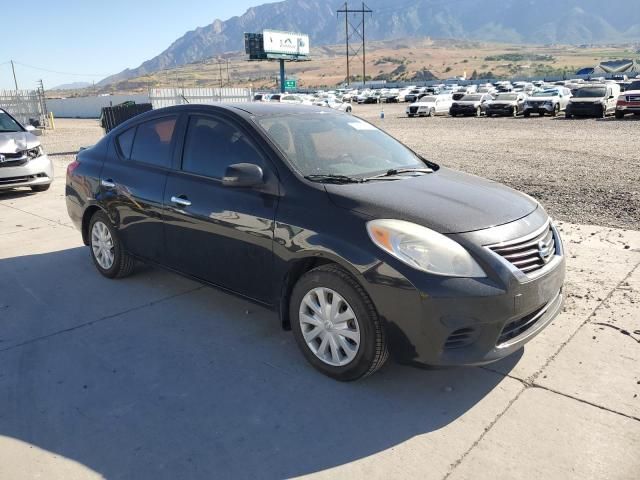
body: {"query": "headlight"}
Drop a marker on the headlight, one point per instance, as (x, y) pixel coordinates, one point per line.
(35, 152)
(423, 249)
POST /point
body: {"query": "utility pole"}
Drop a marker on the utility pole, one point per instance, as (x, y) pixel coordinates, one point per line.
(13, 69)
(355, 30)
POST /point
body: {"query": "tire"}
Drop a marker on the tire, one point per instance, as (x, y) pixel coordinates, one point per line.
(556, 110)
(122, 264)
(567, 115)
(619, 115)
(478, 112)
(40, 188)
(430, 112)
(348, 109)
(527, 114)
(370, 351)
(514, 112)
(603, 114)
(489, 115)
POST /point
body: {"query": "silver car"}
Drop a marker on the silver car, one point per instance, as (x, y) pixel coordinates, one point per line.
(23, 162)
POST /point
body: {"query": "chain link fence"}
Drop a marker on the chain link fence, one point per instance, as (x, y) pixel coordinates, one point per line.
(27, 106)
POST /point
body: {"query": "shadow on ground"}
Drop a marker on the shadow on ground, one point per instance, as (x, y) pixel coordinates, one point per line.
(195, 385)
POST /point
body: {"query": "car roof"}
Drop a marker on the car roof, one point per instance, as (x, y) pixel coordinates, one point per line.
(255, 109)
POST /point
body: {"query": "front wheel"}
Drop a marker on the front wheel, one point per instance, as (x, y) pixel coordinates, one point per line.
(107, 251)
(336, 325)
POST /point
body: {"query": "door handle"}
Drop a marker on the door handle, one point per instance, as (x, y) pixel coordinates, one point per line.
(108, 183)
(181, 200)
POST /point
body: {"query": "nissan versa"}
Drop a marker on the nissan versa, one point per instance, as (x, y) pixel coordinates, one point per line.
(363, 247)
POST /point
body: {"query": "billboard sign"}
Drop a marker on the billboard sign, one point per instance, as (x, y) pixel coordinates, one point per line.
(286, 43)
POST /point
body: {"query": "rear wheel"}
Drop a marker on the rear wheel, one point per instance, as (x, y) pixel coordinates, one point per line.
(336, 325)
(40, 188)
(107, 251)
(619, 115)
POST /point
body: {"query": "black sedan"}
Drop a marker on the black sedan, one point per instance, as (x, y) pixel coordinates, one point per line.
(363, 247)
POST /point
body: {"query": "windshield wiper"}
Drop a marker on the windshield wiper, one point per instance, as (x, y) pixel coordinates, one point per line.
(329, 178)
(397, 171)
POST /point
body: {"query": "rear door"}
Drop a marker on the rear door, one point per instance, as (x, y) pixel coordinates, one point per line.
(133, 180)
(221, 234)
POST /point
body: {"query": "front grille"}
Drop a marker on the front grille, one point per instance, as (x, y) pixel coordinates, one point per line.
(413, 109)
(15, 159)
(11, 180)
(529, 253)
(517, 327)
(633, 98)
(460, 338)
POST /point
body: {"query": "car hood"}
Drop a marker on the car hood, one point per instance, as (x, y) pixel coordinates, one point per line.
(467, 103)
(17, 141)
(446, 201)
(502, 102)
(541, 99)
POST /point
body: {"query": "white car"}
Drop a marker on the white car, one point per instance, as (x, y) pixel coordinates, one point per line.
(430, 105)
(23, 162)
(331, 102)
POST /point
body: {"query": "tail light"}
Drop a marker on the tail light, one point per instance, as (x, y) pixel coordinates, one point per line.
(72, 166)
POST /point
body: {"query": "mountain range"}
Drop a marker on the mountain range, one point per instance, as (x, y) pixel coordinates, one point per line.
(508, 21)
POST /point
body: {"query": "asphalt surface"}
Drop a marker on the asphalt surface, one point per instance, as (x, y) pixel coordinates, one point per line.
(157, 377)
(582, 170)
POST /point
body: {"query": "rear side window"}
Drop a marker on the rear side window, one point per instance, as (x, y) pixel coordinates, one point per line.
(212, 144)
(125, 142)
(153, 142)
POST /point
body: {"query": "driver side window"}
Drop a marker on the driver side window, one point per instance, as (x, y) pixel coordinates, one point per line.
(212, 144)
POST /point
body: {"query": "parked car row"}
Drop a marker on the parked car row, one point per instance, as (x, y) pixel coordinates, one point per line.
(590, 99)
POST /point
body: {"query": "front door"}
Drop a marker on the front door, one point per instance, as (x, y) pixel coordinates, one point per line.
(221, 234)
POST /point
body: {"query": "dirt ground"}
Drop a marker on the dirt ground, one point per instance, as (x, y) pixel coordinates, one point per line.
(581, 170)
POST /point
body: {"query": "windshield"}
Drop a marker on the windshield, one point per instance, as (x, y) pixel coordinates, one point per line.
(334, 144)
(591, 92)
(8, 124)
(428, 99)
(546, 93)
(634, 86)
(472, 98)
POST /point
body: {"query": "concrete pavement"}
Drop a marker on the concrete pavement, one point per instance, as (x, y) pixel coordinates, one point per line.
(156, 376)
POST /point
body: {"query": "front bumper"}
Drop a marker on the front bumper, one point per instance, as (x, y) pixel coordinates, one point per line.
(38, 171)
(417, 110)
(585, 109)
(500, 109)
(466, 110)
(444, 321)
(539, 108)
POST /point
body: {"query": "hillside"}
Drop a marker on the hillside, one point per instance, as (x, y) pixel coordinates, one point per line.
(508, 21)
(392, 60)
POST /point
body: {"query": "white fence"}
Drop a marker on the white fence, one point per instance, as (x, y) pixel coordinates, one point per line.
(24, 105)
(167, 97)
(89, 107)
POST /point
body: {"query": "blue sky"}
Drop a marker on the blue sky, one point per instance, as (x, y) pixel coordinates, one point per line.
(96, 39)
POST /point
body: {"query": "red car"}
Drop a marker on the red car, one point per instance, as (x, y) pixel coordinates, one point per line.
(629, 101)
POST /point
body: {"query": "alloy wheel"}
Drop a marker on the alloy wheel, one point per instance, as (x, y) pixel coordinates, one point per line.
(329, 326)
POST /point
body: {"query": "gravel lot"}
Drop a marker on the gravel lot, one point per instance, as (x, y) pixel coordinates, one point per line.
(582, 170)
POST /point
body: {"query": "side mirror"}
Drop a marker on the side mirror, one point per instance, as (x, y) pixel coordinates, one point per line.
(35, 131)
(611, 97)
(242, 175)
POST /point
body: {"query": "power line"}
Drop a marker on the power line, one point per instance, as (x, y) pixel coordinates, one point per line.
(357, 30)
(62, 73)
